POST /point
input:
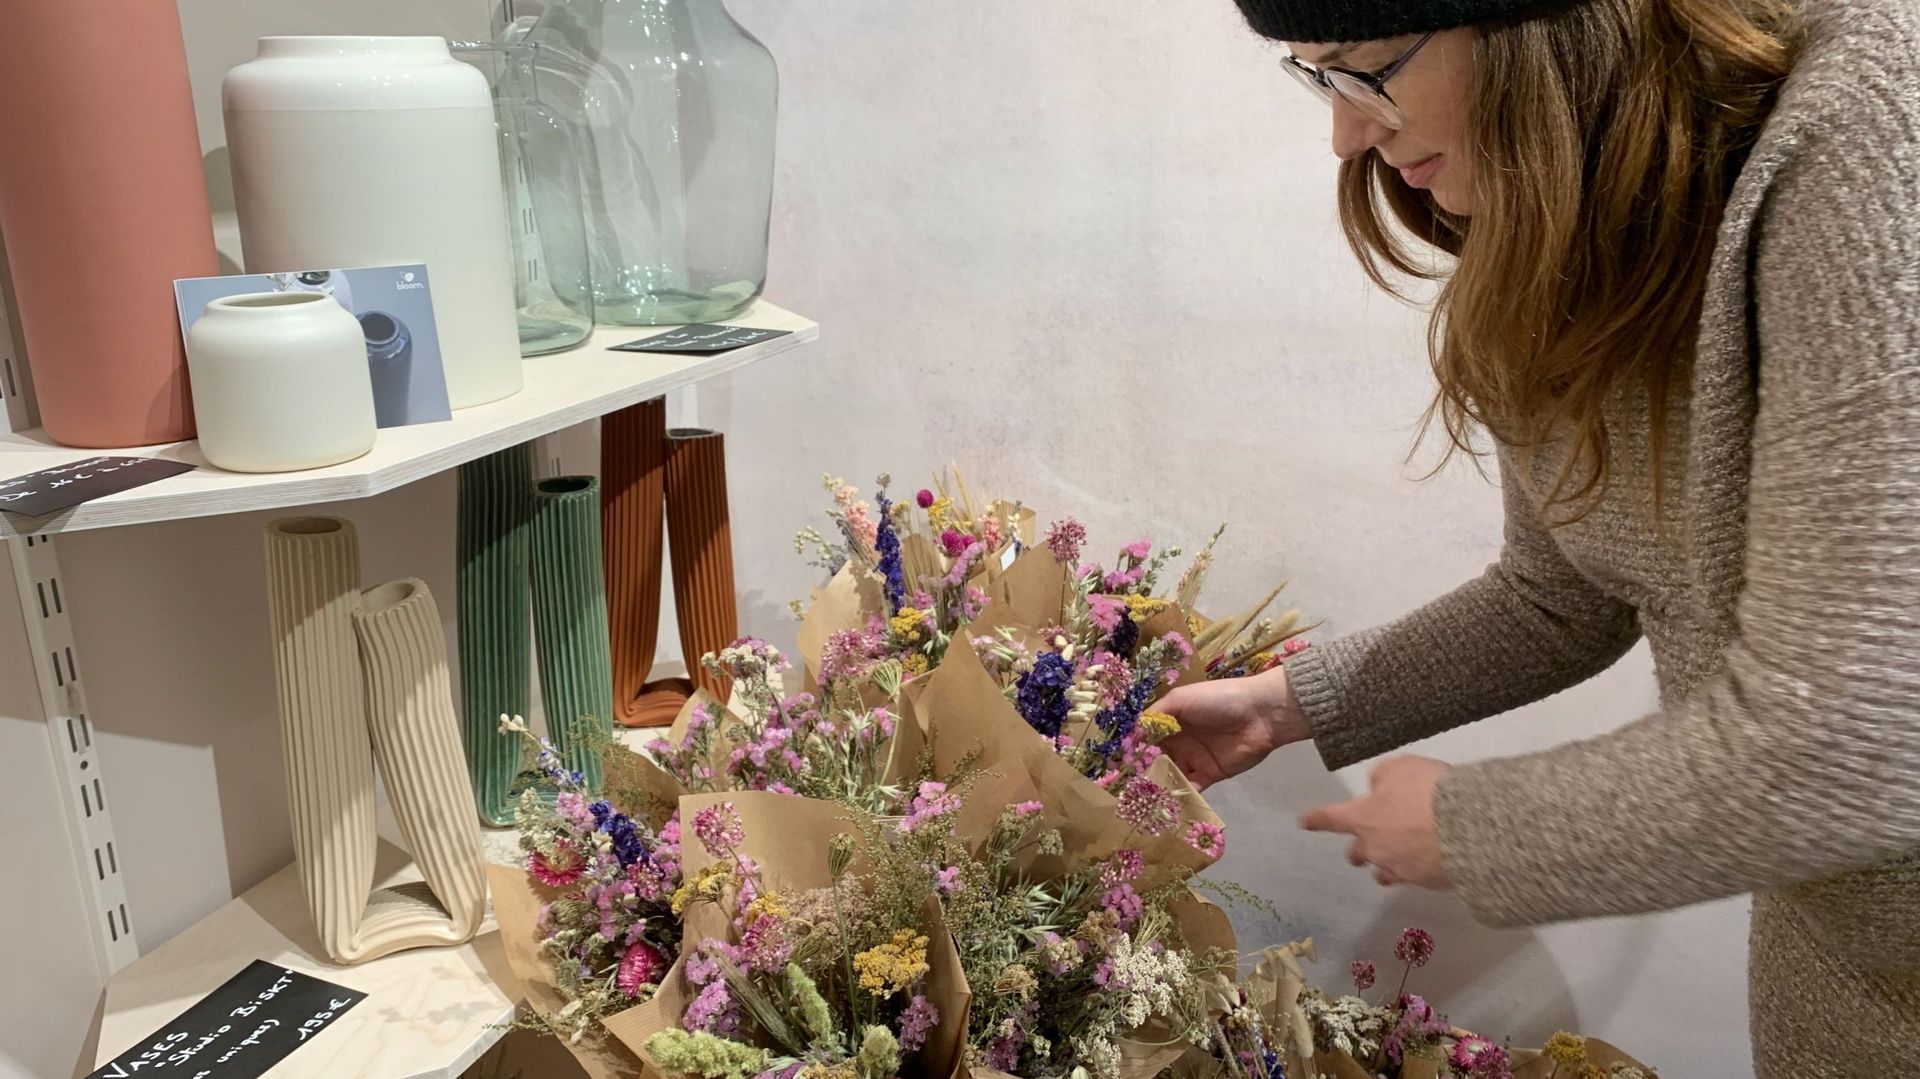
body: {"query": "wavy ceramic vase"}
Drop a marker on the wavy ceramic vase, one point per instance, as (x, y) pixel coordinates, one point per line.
(700, 536)
(570, 616)
(361, 680)
(495, 602)
(633, 469)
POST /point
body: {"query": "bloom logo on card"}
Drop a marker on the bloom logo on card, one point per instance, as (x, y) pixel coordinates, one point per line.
(406, 282)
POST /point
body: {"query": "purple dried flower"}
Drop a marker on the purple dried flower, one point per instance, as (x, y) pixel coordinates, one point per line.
(1065, 538)
(1362, 975)
(719, 829)
(1148, 807)
(1415, 947)
(917, 1022)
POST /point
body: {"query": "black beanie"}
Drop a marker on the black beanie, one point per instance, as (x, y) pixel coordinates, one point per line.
(1318, 21)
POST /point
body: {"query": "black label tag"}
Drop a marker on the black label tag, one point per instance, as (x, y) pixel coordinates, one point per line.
(239, 1030)
(38, 493)
(702, 338)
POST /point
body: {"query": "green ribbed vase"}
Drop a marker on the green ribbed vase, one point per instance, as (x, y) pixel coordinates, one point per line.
(495, 547)
(570, 615)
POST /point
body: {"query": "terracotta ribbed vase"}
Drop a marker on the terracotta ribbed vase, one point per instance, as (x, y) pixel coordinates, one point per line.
(633, 472)
(103, 204)
(416, 739)
(700, 537)
(329, 741)
(570, 615)
(495, 600)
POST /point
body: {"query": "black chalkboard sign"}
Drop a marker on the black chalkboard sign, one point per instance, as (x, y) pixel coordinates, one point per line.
(50, 489)
(703, 337)
(239, 1030)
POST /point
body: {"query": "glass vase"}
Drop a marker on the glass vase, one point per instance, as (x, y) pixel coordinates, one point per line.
(539, 152)
(676, 102)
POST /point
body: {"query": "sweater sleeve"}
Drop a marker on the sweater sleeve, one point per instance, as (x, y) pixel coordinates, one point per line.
(1795, 762)
(1529, 627)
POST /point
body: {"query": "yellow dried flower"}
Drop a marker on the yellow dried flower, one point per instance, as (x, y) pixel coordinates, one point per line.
(915, 664)
(708, 884)
(941, 514)
(893, 967)
(768, 904)
(1566, 1050)
(1158, 725)
(1140, 608)
(1194, 625)
(907, 627)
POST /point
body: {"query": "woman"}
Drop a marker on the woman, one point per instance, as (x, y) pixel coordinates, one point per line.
(1683, 305)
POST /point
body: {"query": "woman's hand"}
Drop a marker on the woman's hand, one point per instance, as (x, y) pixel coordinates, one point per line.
(1228, 726)
(1392, 824)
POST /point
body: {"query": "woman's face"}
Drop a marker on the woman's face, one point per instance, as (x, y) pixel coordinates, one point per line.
(1432, 91)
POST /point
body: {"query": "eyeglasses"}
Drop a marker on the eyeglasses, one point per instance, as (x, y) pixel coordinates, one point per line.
(1366, 91)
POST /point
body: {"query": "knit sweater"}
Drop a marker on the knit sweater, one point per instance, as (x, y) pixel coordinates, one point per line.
(1779, 594)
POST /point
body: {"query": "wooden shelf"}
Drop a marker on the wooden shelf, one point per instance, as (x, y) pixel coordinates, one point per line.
(561, 390)
(429, 1012)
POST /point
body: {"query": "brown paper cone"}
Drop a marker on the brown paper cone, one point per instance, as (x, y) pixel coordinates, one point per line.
(788, 838)
(633, 470)
(516, 907)
(701, 537)
(962, 709)
(1034, 588)
(846, 602)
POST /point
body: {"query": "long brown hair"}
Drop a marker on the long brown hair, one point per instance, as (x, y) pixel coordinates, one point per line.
(1606, 136)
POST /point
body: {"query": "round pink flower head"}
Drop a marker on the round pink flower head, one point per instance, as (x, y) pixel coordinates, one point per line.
(1362, 975)
(1415, 947)
(640, 967)
(924, 499)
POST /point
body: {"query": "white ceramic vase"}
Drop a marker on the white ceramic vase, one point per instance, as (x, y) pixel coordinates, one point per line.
(280, 382)
(368, 151)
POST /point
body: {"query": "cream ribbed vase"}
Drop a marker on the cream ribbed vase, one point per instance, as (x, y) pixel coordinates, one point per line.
(416, 739)
(313, 577)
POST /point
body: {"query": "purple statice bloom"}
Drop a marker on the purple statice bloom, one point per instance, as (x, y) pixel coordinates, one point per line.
(917, 1022)
(1121, 580)
(972, 602)
(1125, 903)
(893, 567)
(947, 880)
(1042, 694)
(712, 1011)
(1065, 539)
(931, 802)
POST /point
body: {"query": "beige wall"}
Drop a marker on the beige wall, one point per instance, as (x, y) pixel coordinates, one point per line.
(1087, 252)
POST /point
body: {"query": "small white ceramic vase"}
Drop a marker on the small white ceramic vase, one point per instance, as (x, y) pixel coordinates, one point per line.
(280, 382)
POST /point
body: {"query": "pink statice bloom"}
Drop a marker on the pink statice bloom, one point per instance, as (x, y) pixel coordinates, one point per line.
(917, 1022)
(1106, 611)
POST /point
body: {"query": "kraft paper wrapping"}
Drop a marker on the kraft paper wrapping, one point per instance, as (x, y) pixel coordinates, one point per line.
(516, 907)
(633, 486)
(1034, 588)
(494, 603)
(416, 740)
(960, 708)
(788, 838)
(700, 536)
(847, 601)
(570, 615)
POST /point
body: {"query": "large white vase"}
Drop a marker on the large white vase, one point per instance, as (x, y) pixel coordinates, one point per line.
(280, 382)
(366, 151)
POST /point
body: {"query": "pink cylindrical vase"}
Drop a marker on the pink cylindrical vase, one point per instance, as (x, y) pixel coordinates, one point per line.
(102, 205)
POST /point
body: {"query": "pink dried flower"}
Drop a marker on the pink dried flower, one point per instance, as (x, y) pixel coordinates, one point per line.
(719, 829)
(963, 564)
(924, 499)
(1125, 867)
(1362, 975)
(1294, 646)
(861, 523)
(1138, 549)
(564, 868)
(1106, 612)
(931, 802)
(1114, 679)
(1065, 539)
(1148, 807)
(1208, 838)
(1125, 904)
(640, 967)
(1023, 810)
(947, 880)
(953, 541)
(1415, 947)
(991, 533)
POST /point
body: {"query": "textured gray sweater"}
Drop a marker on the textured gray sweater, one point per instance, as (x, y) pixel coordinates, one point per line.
(1781, 602)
